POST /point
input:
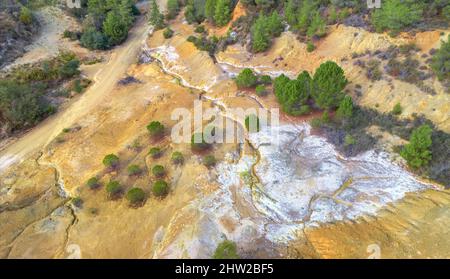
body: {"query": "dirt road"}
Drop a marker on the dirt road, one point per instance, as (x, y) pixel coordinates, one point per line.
(105, 80)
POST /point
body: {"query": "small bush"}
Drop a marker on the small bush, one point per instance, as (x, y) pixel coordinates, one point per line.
(226, 250)
(252, 123)
(155, 152)
(198, 142)
(158, 171)
(135, 196)
(156, 129)
(77, 202)
(134, 170)
(113, 189)
(160, 188)
(199, 29)
(168, 33)
(25, 15)
(177, 158)
(246, 79)
(265, 79)
(209, 161)
(349, 140)
(111, 161)
(310, 47)
(261, 90)
(93, 183)
(397, 110)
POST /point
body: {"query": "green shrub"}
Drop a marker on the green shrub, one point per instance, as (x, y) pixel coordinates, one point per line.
(113, 188)
(21, 105)
(160, 188)
(261, 90)
(155, 152)
(77, 202)
(200, 29)
(397, 110)
(310, 47)
(111, 161)
(349, 140)
(441, 61)
(226, 250)
(135, 196)
(134, 170)
(345, 109)
(252, 123)
(25, 15)
(246, 79)
(168, 33)
(209, 161)
(93, 183)
(198, 142)
(417, 152)
(265, 79)
(69, 69)
(93, 39)
(177, 158)
(158, 171)
(156, 129)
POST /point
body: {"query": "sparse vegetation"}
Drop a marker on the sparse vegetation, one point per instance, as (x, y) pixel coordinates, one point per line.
(226, 250)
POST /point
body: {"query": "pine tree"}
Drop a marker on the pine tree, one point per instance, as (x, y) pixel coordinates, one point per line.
(329, 81)
(173, 8)
(260, 36)
(317, 26)
(345, 109)
(275, 25)
(290, 12)
(222, 12)
(115, 27)
(156, 17)
(417, 153)
(126, 11)
(210, 9)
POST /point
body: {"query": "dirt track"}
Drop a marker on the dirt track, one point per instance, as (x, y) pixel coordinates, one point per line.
(105, 80)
